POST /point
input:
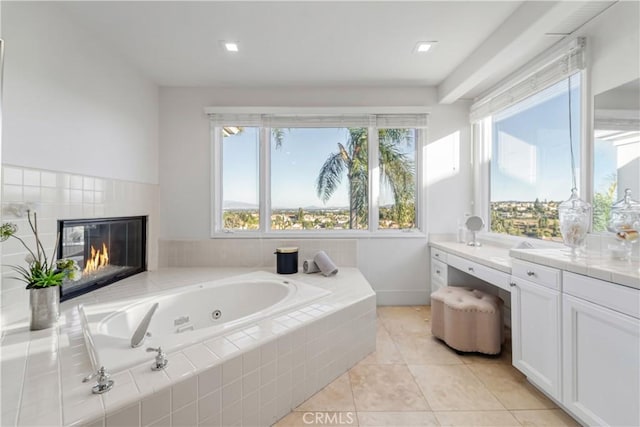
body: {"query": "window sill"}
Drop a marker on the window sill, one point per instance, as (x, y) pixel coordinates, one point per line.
(284, 235)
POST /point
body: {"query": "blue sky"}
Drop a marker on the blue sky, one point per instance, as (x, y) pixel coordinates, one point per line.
(539, 165)
(294, 168)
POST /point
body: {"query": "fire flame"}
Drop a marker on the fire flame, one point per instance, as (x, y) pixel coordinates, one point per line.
(97, 260)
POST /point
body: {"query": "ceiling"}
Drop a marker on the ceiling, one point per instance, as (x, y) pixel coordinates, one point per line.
(322, 43)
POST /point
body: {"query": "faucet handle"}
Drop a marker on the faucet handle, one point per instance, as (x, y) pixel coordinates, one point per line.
(104, 383)
(161, 359)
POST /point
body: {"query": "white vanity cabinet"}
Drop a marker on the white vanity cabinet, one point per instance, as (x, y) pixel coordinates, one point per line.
(438, 269)
(601, 351)
(535, 324)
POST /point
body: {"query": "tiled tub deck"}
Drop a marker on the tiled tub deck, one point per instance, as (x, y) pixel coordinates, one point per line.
(249, 377)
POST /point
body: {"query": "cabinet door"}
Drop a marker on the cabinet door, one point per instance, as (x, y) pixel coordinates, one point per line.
(601, 368)
(535, 329)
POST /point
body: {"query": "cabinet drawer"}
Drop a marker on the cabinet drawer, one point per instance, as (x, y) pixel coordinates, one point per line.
(536, 273)
(616, 297)
(439, 270)
(438, 254)
(491, 275)
(437, 283)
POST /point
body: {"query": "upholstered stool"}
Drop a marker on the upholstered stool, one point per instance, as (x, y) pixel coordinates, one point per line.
(467, 319)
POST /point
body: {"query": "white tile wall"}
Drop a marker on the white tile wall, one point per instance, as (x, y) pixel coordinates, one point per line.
(250, 252)
(57, 195)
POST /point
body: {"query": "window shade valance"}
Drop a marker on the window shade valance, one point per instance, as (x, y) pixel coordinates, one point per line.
(320, 120)
(544, 73)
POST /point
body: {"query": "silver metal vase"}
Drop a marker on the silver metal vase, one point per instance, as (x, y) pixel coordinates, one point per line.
(45, 307)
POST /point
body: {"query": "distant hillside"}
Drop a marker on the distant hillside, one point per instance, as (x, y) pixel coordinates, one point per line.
(240, 206)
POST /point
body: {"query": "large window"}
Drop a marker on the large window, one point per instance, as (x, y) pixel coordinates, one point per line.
(531, 160)
(309, 175)
(240, 179)
(319, 179)
(397, 158)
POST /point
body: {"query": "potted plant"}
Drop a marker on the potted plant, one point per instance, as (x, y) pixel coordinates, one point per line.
(42, 276)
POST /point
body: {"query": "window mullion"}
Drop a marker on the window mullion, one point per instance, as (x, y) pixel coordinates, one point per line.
(420, 181)
(216, 180)
(265, 179)
(374, 179)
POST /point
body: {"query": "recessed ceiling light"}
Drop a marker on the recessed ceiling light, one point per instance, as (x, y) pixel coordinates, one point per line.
(231, 46)
(423, 47)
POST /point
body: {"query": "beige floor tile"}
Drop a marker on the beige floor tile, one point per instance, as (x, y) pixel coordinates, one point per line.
(396, 419)
(419, 349)
(453, 388)
(503, 357)
(336, 396)
(410, 319)
(385, 388)
(325, 419)
(511, 387)
(386, 351)
(476, 418)
(545, 417)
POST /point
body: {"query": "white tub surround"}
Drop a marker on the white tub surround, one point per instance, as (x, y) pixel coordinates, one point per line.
(185, 316)
(252, 374)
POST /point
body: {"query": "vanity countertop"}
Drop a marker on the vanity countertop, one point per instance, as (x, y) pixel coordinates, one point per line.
(592, 264)
(489, 256)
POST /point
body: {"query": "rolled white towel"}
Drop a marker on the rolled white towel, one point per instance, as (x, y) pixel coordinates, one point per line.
(325, 264)
(309, 266)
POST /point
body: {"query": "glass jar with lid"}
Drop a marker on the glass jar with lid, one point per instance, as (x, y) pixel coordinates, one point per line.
(625, 222)
(575, 220)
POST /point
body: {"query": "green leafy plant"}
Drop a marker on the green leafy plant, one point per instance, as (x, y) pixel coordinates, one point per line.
(40, 272)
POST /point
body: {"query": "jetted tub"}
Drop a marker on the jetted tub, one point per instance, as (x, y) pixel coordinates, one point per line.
(187, 315)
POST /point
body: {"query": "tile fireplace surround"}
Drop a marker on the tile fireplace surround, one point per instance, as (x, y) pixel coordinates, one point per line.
(58, 195)
(251, 376)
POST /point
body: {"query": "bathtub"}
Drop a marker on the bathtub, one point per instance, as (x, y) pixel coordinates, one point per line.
(188, 315)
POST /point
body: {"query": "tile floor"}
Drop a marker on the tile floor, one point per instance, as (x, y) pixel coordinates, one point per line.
(413, 379)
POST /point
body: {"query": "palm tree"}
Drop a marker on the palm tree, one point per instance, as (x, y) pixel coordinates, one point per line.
(397, 171)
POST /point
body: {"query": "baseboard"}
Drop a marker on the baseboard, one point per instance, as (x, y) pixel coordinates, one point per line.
(402, 297)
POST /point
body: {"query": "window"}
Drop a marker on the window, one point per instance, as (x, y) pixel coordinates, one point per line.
(353, 173)
(319, 179)
(397, 159)
(240, 206)
(531, 160)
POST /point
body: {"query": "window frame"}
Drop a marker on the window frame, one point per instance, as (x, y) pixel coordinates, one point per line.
(264, 190)
(482, 140)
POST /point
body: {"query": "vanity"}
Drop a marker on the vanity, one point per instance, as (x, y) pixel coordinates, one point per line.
(575, 324)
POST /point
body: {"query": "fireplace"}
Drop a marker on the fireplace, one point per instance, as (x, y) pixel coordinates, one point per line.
(106, 249)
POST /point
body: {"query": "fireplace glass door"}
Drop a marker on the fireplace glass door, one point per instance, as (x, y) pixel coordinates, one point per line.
(106, 249)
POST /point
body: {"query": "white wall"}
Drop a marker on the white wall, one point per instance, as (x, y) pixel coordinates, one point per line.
(70, 102)
(80, 134)
(614, 46)
(396, 268)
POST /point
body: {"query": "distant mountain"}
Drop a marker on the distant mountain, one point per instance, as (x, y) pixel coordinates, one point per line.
(232, 204)
(244, 206)
(312, 208)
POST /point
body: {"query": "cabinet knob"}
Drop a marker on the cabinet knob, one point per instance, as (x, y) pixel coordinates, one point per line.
(470, 268)
(437, 255)
(512, 284)
(530, 273)
(437, 271)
